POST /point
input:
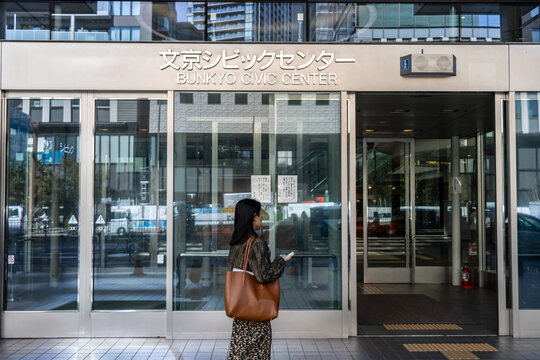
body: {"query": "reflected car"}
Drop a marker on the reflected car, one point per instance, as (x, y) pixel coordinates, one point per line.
(528, 235)
(528, 261)
(16, 219)
(382, 227)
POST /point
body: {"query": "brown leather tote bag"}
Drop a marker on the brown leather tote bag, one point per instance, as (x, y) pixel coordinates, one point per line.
(248, 299)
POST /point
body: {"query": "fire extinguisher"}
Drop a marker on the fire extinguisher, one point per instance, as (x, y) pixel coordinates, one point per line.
(466, 282)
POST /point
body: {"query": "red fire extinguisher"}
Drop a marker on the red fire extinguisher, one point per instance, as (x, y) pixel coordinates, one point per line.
(466, 281)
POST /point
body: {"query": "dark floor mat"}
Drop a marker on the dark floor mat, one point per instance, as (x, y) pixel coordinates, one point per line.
(402, 309)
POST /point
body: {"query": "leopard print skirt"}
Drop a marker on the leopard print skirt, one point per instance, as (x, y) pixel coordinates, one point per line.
(250, 340)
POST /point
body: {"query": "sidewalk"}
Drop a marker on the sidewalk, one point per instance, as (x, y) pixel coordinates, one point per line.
(395, 348)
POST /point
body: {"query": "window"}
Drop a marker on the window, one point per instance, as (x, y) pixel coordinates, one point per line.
(57, 111)
(42, 195)
(36, 110)
(267, 99)
(214, 98)
(528, 198)
(285, 158)
(135, 34)
(219, 149)
(126, 34)
(103, 7)
(129, 177)
(126, 8)
(116, 8)
(295, 100)
(322, 99)
(186, 98)
(136, 8)
(115, 34)
(241, 99)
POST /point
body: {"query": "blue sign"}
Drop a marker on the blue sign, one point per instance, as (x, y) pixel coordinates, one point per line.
(405, 64)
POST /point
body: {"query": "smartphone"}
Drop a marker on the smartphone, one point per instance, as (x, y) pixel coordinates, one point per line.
(288, 255)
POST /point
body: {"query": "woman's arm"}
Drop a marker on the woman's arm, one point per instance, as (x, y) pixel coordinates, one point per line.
(259, 262)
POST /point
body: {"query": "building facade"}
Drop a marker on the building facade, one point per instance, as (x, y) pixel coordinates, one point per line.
(394, 147)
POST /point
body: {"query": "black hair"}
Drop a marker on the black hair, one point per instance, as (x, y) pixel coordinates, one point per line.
(244, 212)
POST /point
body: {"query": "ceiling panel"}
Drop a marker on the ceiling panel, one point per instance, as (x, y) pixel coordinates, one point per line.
(430, 115)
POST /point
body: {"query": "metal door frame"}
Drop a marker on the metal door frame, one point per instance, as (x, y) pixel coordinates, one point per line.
(411, 233)
(115, 323)
(41, 323)
(83, 321)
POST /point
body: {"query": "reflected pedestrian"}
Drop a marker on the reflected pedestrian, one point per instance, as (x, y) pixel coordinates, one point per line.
(249, 339)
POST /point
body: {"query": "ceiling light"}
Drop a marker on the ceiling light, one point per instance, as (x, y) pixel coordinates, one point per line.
(143, 129)
(369, 130)
(104, 129)
(408, 130)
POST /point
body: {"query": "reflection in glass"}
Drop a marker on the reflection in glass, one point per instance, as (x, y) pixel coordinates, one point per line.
(432, 202)
(388, 204)
(130, 204)
(528, 199)
(490, 220)
(260, 21)
(407, 22)
(469, 205)
(42, 241)
(101, 20)
(359, 210)
(218, 149)
(25, 20)
(236, 21)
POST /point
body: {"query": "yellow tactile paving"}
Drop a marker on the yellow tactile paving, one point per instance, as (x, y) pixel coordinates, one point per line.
(422, 327)
(460, 355)
(370, 290)
(452, 351)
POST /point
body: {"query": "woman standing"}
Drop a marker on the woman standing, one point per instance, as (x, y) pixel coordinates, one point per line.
(252, 340)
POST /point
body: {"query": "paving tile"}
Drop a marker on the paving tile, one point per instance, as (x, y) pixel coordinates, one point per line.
(194, 349)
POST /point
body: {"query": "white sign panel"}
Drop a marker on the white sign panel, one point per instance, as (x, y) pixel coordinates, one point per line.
(261, 188)
(287, 188)
(100, 220)
(160, 259)
(11, 259)
(247, 67)
(73, 220)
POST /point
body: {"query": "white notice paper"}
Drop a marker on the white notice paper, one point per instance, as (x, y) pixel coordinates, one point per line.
(260, 188)
(287, 188)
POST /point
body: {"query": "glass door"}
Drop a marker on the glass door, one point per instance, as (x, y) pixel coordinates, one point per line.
(388, 227)
(130, 204)
(127, 291)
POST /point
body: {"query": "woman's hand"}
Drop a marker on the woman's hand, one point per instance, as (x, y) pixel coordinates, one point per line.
(287, 258)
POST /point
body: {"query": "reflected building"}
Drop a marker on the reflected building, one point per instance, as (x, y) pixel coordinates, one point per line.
(233, 21)
(96, 21)
(401, 22)
(531, 25)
